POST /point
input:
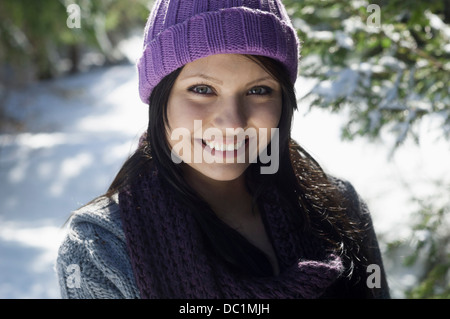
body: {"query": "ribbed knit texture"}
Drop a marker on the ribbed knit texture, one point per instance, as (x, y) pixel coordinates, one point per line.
(181, 31)
(169, 257)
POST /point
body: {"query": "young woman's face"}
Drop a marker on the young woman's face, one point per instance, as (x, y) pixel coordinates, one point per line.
(222, 112)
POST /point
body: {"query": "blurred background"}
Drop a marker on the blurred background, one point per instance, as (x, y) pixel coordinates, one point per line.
(374, 108)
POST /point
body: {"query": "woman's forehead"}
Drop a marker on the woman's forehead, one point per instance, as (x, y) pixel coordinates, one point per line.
(221, 67)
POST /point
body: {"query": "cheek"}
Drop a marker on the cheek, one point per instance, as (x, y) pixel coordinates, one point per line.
(181, 116)
(182, 112)
(266, 116)
(178, 126)
(174, 109)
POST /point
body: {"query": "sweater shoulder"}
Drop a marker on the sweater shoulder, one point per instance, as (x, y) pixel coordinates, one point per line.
(356, 206)
(358, 211)
(95, 246)
(102, 214)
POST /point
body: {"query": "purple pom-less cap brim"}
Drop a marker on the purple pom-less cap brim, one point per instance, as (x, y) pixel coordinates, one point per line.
(233, 30)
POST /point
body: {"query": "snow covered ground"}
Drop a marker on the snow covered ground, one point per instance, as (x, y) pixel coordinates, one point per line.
(79, 130)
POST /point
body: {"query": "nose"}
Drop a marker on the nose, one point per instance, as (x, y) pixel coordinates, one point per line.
(230, 113)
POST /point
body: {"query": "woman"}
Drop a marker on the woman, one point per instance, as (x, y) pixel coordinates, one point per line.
(218, 201)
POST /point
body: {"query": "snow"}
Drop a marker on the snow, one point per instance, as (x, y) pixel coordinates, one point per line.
(437, 23)
(344, 84)
(80, 129)
(344, 40)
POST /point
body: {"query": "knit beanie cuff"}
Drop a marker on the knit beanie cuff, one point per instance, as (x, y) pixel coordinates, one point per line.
(231, 30)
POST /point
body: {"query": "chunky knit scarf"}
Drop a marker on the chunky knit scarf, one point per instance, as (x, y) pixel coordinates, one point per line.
(170, 259)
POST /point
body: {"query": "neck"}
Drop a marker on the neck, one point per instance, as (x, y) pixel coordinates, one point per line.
(228, 199)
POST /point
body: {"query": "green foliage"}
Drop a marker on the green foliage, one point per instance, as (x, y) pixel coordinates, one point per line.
(386, 76)
(23, 25)
(430, 239)
(37, 43)
(34, 34)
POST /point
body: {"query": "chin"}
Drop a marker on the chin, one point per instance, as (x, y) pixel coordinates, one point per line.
(221, 172)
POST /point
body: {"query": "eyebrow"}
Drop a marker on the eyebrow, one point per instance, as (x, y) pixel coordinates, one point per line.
(203, 76)
(212, 79)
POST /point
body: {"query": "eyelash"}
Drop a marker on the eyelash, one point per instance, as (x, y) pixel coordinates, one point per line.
(194, 87)
(266, 88)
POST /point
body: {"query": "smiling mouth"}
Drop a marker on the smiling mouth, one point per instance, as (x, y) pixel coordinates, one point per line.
(222, 147)
(225, 149)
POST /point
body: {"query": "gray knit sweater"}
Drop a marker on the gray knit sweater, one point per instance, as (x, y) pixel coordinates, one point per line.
(93, 260)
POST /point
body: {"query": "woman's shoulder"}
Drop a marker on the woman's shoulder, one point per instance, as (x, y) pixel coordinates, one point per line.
(358, 212)
(95, 227)
(355, 204)
(345, 188)
(95, 249)
(102, 215)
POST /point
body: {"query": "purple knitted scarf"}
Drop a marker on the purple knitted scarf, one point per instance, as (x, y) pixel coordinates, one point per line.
(169, 257)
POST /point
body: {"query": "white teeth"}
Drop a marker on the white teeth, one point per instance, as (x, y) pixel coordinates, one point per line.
(224, 147)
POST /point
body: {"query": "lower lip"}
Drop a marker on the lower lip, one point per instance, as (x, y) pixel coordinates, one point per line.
(224, 154)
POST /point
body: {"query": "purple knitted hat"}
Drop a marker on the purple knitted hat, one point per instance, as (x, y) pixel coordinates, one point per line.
(181, 31)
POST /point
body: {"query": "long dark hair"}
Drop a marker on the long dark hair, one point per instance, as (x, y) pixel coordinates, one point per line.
(306, 192)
